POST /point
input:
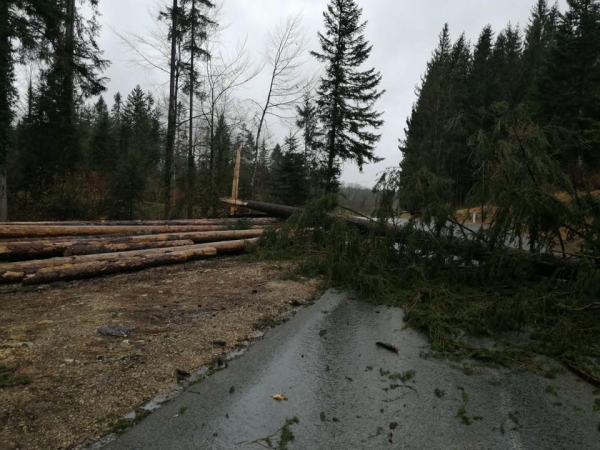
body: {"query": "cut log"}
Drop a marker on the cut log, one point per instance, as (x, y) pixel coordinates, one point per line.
(32, 231)
(92, 269)
(46, 248)
(19, 271)
(262, 220)
(87, 249)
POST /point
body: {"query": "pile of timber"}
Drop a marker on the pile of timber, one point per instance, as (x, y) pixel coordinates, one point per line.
(44, 252)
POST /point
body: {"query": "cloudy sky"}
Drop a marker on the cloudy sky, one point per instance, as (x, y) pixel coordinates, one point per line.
(403, 33)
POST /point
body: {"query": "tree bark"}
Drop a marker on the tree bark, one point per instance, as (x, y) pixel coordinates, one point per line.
(172, 115)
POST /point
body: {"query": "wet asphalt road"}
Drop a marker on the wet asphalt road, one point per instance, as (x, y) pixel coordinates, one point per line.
(326, 362)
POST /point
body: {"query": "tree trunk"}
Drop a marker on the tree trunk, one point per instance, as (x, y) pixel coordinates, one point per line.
(259, 131)
(191, 166)
(69, 138)
(172, 115)
(3, 193)
(6, 95)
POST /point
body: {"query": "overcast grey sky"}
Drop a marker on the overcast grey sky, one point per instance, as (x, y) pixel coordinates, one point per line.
(403, 33)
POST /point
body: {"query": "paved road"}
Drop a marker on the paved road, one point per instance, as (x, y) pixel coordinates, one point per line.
(326, 362)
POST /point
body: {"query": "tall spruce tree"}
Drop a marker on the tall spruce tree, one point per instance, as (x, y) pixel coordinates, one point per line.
(102, 146)
(569, 88)
(290, 175)
(27, 30)
(347, 94)
(194, 23)
(539, 36)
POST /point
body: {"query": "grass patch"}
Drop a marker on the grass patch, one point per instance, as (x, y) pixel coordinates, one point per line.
(121, 425)
(462, 410)
(552, 390)
(403, 376)
(439, 393)
(9, 378)
(265, 323)
(514, 417)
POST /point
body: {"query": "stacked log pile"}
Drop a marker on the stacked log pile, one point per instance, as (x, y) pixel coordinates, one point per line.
(35, 253)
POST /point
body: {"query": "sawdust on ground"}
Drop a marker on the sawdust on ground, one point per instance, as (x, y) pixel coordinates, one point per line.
(82, 381)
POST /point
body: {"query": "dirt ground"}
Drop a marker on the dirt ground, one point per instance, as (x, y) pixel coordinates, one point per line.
(82, 381)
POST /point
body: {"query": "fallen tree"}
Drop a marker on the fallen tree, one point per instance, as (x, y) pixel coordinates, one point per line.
(285, 212)
(455, 236)
(86, 266)
(45, 248)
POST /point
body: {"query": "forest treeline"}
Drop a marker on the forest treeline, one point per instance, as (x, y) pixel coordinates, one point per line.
(67, 151)
(511, 124)
(532, 90)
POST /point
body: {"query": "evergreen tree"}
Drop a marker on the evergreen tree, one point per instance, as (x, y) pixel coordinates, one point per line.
(290, 184)
(139, 152)
(539, 36)
(347, 94)
(308, 121)
(508, 84)
(569, 88)
(33, 25)
(426, 132)
(102, 145)
(73, 75)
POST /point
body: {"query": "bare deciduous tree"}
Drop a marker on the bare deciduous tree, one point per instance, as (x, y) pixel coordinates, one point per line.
(284, 54)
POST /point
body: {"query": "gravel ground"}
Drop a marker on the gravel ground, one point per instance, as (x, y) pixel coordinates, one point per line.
(83, 382)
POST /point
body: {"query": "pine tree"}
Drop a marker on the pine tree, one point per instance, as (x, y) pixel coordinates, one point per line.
(307, 121)
(505, 61)
(290, 184)
(194, 24)
(73, 75)
(347, 94)
(102, 146)
(569, 87)
(539, 36)
(33, 24)
(139, 152)
(482, 76)
(426, 127)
